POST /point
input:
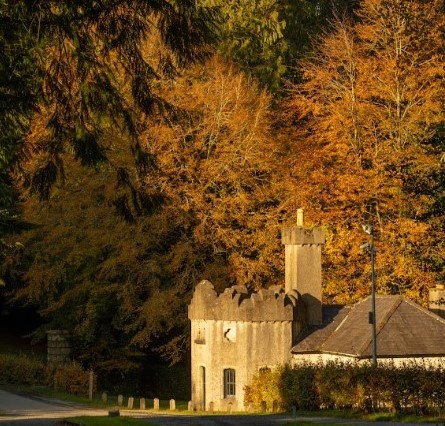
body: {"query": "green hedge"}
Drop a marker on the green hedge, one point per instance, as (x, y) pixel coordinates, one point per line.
(21, 370)
(410, 388)
(26, 370)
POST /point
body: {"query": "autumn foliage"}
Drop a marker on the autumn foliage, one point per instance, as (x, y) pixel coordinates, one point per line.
(202, 166)
(121, 275)
(368, 108)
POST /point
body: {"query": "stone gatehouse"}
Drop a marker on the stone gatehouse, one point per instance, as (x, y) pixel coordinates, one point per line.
(237, 333)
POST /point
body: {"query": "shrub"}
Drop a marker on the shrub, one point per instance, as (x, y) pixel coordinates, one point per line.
(411, 388)
(264, 387)
(297, 386)
(21, 369)
(72, 378)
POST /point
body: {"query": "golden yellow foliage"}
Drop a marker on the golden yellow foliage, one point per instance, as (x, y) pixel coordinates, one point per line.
(369, 105)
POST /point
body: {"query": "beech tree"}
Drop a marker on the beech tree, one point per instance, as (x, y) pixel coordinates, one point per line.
(371, 104)
(122, 285)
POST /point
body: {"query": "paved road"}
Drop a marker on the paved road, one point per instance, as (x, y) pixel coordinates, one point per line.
(26, 410)
(19, 410)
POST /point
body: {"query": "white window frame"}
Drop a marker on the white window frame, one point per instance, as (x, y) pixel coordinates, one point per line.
(229, 380)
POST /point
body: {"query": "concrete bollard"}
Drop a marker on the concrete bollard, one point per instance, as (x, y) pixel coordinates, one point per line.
(294, 411)
(250, 407)
(104, 397)
(130, 402)
(156, 404)
(190, 406)
(275, 406)
(263, 406)
(172, 405)
(211, 407)
(229, 408)
(120, 400)
(142, 404)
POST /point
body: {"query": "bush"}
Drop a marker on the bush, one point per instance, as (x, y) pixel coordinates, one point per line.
(412, 388)
(72, 378)
(21, 369)
(297, 387)
(264, 388)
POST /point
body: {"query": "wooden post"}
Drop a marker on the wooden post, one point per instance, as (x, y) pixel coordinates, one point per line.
(90, 385)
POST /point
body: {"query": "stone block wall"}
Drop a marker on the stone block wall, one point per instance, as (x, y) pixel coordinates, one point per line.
(59, 349)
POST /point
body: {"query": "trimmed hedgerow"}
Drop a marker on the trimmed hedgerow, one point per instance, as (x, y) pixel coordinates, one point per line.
(21, 369)
(411, 388)
(26, 370)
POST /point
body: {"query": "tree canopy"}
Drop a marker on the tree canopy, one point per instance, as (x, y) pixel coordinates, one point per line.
(371, 101)
(211, 211)
(144, 170)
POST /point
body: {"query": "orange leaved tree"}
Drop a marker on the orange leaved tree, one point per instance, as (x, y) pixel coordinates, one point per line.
(369, 111)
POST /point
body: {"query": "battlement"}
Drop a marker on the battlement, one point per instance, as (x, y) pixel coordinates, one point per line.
(238, 304)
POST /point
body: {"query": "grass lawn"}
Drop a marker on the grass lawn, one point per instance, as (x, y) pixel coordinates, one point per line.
(372, 417)
(108, 421)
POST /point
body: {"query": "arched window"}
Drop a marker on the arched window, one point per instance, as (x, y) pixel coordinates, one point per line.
(229, 383)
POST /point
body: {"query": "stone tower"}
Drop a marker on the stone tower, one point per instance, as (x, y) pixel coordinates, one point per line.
(234, 335)
(303, 265)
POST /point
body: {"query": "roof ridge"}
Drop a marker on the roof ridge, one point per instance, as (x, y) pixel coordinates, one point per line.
(430, 313)
(379, 326)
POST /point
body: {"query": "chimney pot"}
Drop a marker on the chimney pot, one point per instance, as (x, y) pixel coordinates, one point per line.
(300, 217)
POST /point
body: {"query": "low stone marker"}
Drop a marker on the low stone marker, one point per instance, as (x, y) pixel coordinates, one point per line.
(172, 405)
(190, 406)
(130, 402)
(211, 407)
(120, 400)
(142, 404)
(263, 406)
(275, 406)
(104, 397)
(156, 404)
(229, 408)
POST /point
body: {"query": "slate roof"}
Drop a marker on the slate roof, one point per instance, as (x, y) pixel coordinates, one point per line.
(404, 329)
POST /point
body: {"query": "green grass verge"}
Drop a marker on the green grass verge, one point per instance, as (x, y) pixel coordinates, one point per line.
(306, 423)
(372, 417)
(96, 402)
(108, 421)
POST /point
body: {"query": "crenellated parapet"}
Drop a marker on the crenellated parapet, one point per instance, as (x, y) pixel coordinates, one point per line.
(238, 304)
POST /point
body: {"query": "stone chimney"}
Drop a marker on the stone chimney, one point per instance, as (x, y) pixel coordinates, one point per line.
(436, 300)
(303, 265)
